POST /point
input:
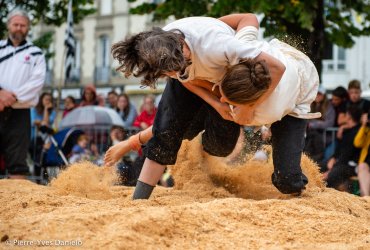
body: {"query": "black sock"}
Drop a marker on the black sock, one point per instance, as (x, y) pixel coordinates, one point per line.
(142, 190)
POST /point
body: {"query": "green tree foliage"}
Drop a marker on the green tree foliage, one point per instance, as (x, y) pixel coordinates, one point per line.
(49, 12)
(307, 24)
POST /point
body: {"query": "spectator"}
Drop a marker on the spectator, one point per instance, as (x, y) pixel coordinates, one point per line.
(146, 117)
(339, 100)
(69, 105)
(89, 97)
(341, 166)
(81, 150)
(354, 93)
(362, 140)
(112, 99)
(316, 127)
(41, 115)
(117, 134)
(22, 74)
(126, 110)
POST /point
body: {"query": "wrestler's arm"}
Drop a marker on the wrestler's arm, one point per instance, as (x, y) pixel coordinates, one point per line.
(239, 21)
(202, 89)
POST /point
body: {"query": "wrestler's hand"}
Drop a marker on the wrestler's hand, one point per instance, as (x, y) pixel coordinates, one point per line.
(7, 98)
(243, 115)
(116, 152)
(225, 111)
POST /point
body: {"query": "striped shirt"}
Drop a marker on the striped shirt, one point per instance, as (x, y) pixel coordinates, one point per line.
(22, 71)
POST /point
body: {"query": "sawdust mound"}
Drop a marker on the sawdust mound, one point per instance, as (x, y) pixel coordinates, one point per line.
(212, 206)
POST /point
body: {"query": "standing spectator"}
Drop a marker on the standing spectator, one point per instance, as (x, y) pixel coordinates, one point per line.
(148, 111)
(315, 145)
(22, 74)
(41, 115)
(69, 105)
(126, 110)
(89, 97)
(112, 99)
(339, 100)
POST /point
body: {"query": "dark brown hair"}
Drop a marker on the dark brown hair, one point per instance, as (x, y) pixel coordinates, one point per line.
(354, 84)
(246, 81)
(40, 106)
(151, 54)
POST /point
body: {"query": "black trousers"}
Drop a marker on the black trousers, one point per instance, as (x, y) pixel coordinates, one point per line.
(287, 148)
(183, 115)
(340, 173)
(15, 133)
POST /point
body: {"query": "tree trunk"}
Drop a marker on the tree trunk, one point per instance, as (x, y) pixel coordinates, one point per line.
(316, 38)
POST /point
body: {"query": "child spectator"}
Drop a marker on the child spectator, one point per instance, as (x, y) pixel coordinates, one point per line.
(81, 151)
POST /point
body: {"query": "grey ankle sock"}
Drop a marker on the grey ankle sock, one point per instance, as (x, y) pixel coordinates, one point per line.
(142, 191)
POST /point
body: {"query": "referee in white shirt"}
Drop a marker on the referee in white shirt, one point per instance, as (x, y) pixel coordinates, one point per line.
(22, 74)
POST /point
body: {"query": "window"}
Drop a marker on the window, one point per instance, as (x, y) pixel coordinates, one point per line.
(103, 53)
(105, 7)
(102, 71)
(334, 57)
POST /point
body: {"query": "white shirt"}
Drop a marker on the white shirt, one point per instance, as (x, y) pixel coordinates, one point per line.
(22, 73)
(297, 88)
(213, 47)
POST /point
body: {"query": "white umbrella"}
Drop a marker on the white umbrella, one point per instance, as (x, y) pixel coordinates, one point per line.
(91, 115)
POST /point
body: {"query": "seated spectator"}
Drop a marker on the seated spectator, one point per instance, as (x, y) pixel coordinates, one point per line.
(341, 166)
(81, 150)
(89, 97)
(41, 115)
(354, 93)
(362, 140)
(69, 105)
(112, 99)
(148, 111)
(339, 101)
(314, 146)
(126, 110)
(117, 134)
